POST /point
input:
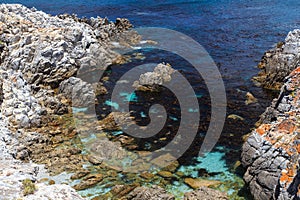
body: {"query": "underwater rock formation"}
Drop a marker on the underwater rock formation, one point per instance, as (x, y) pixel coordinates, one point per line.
(152, 193)
(205, 193)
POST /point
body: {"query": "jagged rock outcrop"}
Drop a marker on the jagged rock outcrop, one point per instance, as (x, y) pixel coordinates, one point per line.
(271, 153)
(45, 50)
(277, 63)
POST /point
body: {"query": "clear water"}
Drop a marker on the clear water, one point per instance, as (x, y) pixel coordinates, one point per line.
(234, 32)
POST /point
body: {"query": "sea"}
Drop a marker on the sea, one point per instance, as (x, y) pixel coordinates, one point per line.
(235, 33)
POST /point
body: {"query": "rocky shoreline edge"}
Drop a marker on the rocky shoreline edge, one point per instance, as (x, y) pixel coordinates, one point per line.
(38, 52)
(40, 56)
(271, 151)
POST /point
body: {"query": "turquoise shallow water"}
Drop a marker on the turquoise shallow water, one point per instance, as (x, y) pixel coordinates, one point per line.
(234, 32)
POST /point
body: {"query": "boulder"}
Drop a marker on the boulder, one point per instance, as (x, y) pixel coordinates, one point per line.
(150, 81)
(196, 183)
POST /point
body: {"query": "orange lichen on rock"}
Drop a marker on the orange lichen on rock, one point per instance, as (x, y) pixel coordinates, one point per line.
(295, 71)
(262, 129)
(287, 126)
(298, 148)
(296, 97)
(287, 175)
(285, 178)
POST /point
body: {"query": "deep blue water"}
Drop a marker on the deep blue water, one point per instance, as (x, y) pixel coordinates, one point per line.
(235, 33)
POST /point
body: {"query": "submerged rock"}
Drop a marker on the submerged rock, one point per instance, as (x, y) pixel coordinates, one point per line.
(106, 150)
(250, 99)
(196, 183)
(205, 193)
(153, 193)
(120, 191)
(89, 181)
(235, 117)
(114, 120)
(80, 174)
(165, 174)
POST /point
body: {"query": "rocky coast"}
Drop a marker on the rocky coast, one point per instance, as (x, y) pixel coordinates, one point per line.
(42, 155)
(271, 152)
(40, 58)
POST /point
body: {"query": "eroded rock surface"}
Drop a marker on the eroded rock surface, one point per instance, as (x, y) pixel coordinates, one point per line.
(19, 106)
(79, 92)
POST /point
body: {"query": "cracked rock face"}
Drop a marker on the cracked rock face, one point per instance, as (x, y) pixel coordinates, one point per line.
(271, 153)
